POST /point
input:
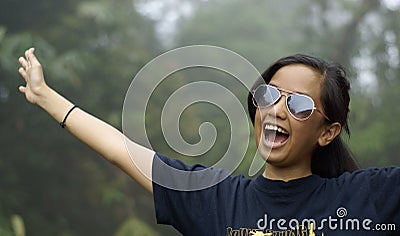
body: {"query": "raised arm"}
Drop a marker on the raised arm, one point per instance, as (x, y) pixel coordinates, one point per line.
(100, 136)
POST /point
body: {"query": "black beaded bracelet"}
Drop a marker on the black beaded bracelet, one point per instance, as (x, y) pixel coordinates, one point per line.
(66, 116)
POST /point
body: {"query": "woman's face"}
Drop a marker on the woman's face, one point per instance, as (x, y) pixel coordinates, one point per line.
(296, 147)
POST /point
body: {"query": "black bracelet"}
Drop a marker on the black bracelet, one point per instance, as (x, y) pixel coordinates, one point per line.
(66, 116)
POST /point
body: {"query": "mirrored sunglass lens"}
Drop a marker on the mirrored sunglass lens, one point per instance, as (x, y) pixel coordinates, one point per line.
(300, 106)
(266, 96)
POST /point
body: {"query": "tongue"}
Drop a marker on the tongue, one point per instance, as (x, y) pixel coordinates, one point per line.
(280, 138)
(276, 137)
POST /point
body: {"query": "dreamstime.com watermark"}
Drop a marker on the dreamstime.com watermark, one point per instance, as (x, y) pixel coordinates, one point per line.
(339, 222)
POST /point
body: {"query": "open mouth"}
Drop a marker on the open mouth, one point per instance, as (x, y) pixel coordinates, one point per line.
(275, 136)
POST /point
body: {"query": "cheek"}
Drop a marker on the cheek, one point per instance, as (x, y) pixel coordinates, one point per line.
(307, 132)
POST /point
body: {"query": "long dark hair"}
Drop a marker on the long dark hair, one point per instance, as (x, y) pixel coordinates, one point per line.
(335, 158)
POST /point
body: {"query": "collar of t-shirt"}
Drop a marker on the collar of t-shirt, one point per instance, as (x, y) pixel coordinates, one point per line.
(280, 187)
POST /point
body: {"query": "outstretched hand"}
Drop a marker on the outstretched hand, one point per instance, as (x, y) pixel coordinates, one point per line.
(106, 140)
(32, 72)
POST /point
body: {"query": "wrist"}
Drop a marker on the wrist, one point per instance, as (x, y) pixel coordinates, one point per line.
(54, 104)
(43, 96)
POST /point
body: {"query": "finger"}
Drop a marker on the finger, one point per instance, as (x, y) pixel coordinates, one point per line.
(22, 89)
(32, 58)
(27, 54)
(23, 62)
(22, 72)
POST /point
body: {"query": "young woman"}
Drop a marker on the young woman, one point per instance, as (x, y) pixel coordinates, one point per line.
(311, 185)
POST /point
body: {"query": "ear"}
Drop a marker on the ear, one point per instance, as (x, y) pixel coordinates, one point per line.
(329, 133)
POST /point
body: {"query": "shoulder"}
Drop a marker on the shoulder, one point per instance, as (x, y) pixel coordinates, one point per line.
(374, 177)
(372, 173)
(176, 175)
(194, 193)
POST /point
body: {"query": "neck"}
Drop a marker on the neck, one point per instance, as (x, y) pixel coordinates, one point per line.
(286, 173)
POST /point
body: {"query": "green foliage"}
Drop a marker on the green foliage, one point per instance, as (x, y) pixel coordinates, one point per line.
(56, 184)
(18, 225)
(91, 50)
(134, 226)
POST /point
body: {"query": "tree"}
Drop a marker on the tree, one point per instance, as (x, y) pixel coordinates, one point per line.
(90, 51)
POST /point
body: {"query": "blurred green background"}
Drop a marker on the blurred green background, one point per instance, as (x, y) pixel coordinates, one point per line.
(50, 184)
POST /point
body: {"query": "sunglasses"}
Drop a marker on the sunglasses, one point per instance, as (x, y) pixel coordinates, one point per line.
(300, 106)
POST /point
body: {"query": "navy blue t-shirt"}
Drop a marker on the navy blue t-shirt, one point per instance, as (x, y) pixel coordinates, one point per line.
(365, 202)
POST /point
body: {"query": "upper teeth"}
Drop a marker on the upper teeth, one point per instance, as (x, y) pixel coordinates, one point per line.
(276, 128)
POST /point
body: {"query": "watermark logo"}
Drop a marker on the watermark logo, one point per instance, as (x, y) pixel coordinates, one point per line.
(341, 212)
(142, 87)
(341, 222)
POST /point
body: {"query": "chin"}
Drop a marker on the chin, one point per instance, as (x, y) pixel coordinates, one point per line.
(277, 161)
(270, 156)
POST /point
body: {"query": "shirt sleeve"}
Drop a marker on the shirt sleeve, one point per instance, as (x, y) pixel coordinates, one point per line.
(385, 186)
(181, 201)
(381, 186)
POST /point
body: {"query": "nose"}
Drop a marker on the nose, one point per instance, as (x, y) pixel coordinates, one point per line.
(279, 110)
